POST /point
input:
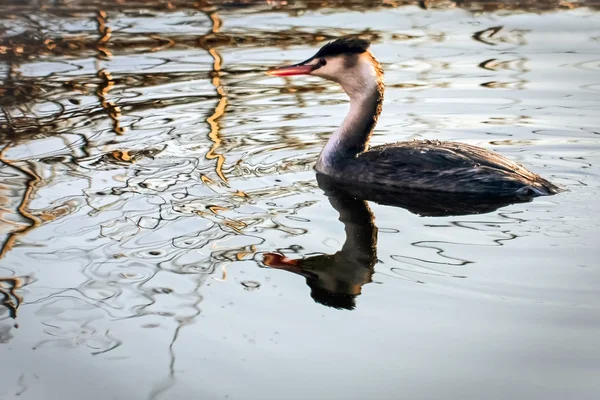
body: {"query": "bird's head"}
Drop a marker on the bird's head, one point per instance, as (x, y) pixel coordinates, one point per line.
(346, 61)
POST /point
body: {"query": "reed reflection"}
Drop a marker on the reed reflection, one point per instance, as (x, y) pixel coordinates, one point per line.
(9, 297)
(336, 280)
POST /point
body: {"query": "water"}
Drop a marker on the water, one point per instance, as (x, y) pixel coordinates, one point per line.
(150, 169)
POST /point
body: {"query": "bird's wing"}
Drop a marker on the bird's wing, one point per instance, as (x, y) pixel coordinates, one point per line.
(437, 156)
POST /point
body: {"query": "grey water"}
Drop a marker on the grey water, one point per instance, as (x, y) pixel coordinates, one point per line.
(163, 234)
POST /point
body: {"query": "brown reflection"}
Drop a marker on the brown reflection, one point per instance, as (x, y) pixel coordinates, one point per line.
(23, 208)
(106, 79)
(212, 121)
(336, 279)
(66, 8)
(9, 297)
(112, 110)
(105, 33)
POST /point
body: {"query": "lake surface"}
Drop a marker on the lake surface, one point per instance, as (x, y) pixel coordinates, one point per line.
(150, 172)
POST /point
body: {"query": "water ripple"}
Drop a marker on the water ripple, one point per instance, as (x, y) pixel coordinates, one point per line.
(150, 172)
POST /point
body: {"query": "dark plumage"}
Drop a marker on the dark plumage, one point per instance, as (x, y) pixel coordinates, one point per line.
(443, 167)
(345, 45)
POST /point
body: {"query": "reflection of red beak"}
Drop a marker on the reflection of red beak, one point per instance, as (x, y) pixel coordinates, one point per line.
(278, 261)
(298, 69)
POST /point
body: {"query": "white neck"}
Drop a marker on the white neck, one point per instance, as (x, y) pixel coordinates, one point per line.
(365, 89)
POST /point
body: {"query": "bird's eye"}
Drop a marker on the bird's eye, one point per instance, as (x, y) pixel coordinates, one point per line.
(322, 61)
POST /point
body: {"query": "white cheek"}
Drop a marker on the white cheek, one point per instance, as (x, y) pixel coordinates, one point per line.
(333, 70)
(358, 79)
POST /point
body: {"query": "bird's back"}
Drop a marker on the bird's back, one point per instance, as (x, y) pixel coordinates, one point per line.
(444, 166)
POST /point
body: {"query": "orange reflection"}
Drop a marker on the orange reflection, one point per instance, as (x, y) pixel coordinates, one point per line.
(105, 33)
(214, 134)
(23, 207)
(113, 111)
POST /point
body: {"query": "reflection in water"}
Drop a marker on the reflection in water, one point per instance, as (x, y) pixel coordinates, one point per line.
(425, 203)
(147, 163)
(10, 301)
(336, 279)
(23, 207)
(73, 85)
(9, 296)
(213, 120)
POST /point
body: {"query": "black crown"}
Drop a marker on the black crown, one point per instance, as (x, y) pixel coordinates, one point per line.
(345, 45)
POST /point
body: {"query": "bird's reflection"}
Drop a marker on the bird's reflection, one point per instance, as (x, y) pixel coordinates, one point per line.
(336, 279)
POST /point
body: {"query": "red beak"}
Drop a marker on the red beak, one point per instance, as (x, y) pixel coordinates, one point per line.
(298, 69)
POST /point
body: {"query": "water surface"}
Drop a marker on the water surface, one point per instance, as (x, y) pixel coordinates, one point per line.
(148, 167)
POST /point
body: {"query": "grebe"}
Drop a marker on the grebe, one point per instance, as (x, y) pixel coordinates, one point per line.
(424, 165)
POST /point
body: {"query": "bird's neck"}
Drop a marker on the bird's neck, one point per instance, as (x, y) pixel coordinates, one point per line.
(352, 136)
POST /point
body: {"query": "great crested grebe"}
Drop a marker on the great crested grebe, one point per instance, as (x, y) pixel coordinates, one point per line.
(425, 165)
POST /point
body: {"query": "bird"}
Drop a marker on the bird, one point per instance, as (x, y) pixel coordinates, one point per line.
(429, 165)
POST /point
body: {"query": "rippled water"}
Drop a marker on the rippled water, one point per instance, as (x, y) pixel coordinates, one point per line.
(150, 170)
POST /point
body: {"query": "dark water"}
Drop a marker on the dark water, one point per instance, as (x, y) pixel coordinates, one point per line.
(149, 167)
